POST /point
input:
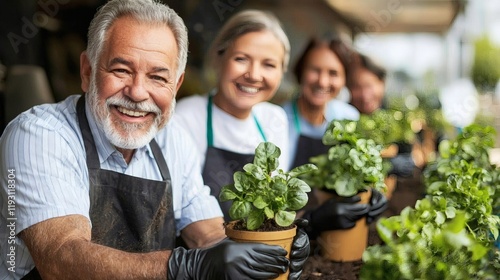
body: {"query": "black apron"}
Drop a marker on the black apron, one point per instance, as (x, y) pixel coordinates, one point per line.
(220, 164)
(127, 213)
(307, 147)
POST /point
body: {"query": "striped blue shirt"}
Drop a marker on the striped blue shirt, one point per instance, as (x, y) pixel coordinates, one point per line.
(43, 174)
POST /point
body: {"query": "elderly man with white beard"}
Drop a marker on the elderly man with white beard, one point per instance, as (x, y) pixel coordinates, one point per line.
(99, 185)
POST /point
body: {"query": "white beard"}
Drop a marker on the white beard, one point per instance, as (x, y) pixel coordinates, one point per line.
(121, 134)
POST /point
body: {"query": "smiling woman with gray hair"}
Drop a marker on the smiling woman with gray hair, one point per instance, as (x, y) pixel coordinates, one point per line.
(249, 56)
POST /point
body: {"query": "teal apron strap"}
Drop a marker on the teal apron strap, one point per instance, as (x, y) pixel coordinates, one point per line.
(296, 116)
(259, 128)
(210, 132)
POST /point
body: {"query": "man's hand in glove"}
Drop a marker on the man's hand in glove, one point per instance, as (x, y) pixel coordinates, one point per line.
(378, 204)
(300, 250)
(335, 213)
(228, 260)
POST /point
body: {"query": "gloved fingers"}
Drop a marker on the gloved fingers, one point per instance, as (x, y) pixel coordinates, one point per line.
(298, 255)
(350, 199)
(345, 223)
(269, 264)
(300, 246)
(357, 210)
(376, 196)
(378, 211)
(267, 250)
(294, 275)
(379, 204)
(268, 258)
(257, 273)
(301, 223)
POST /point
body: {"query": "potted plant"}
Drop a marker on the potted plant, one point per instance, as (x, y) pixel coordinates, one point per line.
(264, 200)
(396, 131)
(450, 233)
(352, 166)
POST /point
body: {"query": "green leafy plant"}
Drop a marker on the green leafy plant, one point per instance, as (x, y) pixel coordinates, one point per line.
(352, 164)
(450, 233)
(261, 192)
(386, 126)
(485, 71)
(426, 244)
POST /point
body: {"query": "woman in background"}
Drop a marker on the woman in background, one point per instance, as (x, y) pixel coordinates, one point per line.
(367, 87)
(249, 57)
(321, 71)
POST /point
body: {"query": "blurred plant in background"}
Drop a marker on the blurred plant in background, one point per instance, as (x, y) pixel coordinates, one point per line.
(485, 71)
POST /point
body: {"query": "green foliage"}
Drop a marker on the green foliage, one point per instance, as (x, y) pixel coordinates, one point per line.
(472, 182)
(386, 126)
(421, 110)
(261, 192)
(352, 163)
(423, 243)
(450, 233)
(485, 70)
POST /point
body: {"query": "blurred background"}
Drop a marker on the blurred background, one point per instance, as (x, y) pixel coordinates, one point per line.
(440, 54)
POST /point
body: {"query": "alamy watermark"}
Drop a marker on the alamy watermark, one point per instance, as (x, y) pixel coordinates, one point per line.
(11, 220)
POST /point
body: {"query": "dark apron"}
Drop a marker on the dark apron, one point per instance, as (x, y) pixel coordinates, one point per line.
(220, 164)
(127, 213)
(307, 147)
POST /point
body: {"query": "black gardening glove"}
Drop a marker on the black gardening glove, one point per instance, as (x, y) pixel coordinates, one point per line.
(228, 260)
(335, 213)
(378, 204)
(300, 250)
(402, 165)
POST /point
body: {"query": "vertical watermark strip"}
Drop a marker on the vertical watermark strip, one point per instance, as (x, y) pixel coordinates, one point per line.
(11, 219)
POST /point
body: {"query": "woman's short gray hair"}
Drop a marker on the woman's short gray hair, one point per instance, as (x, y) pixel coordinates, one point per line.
(245, 22)
(148, 11)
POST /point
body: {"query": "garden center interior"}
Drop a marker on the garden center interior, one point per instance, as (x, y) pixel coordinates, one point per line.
(441, 56)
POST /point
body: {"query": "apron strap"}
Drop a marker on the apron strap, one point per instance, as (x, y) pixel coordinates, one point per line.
(259, 128)
(210, 132)
(296, 115)
(88, 139)
(160, 160)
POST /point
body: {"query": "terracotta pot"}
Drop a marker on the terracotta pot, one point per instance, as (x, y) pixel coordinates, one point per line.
(283, 238)
(345, 245)
(390, 182)
(429, 145)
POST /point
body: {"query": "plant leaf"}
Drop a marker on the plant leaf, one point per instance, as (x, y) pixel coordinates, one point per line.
(266, 156)
(255, 219)
(227, 193)
(259, 203)
(256, 171)
(296, 199)
(269, 213)
(239, 210)
(285, 218)
(303, 169)
(299, 184)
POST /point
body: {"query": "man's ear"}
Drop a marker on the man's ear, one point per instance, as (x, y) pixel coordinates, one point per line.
(85, 71)
(179, 82)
